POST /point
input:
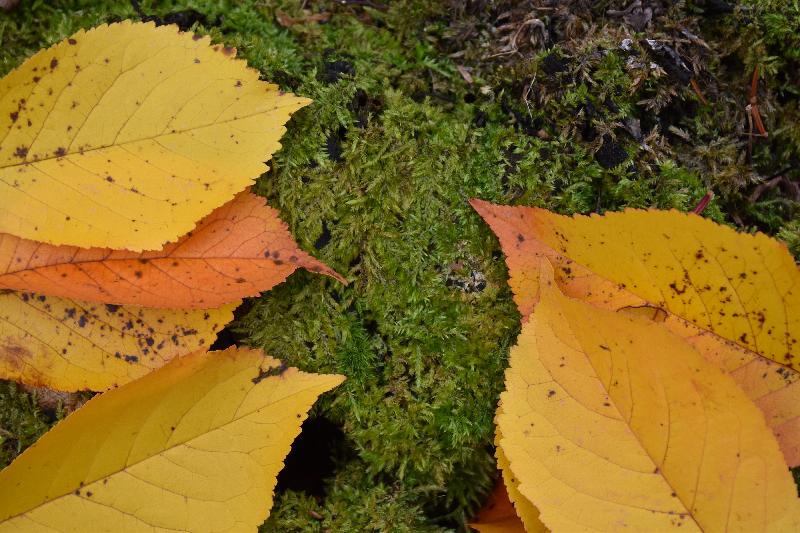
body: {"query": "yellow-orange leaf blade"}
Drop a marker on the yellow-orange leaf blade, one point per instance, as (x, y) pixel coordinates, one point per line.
(125, 135)
(71, 345)
(618, 417)
(773, 387)
(194, 446)
(239, 250)
(744, 288)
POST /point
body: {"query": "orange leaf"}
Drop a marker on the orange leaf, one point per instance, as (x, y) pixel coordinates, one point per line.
(497, 514)
(773, 387)
(239, 250)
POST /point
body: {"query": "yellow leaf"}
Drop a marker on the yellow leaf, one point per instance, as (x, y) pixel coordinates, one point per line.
(741, 287)
(125, 135)
(71, 345)
(194, 446)
(773, 387)
(619, 418)
(526, 511)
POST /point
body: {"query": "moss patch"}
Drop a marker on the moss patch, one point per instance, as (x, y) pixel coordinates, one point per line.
(419, 106)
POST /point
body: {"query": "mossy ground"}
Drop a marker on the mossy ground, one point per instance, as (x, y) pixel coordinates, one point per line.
(556, 109)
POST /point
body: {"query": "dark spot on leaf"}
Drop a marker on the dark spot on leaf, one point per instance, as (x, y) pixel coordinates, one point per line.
(675, 288)
(111, 308)
(60, 151)
(138, 274)
(82, 321)
(21, 152)
(72, 41)
(551, 393)
(53, 63)
(520, 237)
(270, 372)
(131, 359)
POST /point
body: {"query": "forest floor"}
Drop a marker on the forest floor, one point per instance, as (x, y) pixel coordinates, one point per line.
(574, 105)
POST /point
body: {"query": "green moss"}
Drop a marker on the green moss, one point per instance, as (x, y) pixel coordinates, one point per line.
(21, 422)
(374, 179)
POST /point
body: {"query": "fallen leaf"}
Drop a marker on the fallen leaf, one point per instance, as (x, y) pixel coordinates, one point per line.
(194, 446)
(738, 286)
(497, 514)
(775, 388)
(619, 418)
(123, 136)
(70, 345)
(239, 250)
(526, 511)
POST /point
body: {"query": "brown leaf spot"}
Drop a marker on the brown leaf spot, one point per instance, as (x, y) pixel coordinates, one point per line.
(53, 63)
(60, 151)
(72, 41)
(14, 116)
(14, 351)
(270, 372)
(21, 152)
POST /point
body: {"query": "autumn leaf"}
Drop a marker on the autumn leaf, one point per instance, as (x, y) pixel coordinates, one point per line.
(525, 510)
(123, 136)
(71, 345)
(497, 514)
(618, 417)
(634, 271)
(239, 250)
(194, 446)
(738, 286)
